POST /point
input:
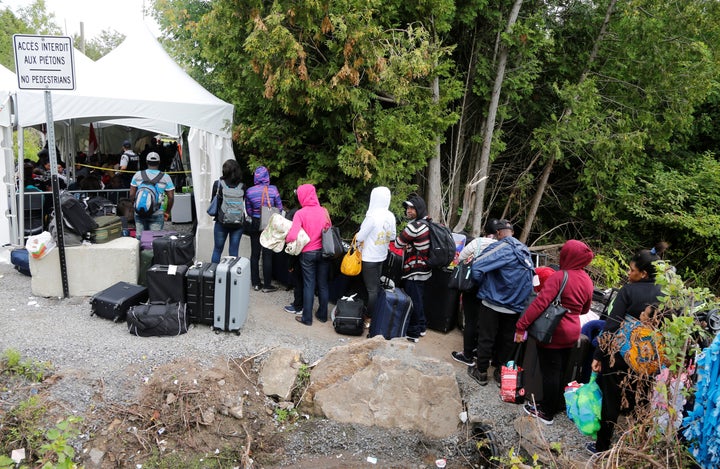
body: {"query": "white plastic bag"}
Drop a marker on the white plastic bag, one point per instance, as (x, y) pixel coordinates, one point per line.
(39, 245)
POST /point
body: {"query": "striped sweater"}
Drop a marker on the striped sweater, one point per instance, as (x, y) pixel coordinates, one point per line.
(415, 240)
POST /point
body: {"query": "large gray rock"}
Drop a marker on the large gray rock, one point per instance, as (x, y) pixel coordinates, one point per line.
(279, 372)
(384, 383)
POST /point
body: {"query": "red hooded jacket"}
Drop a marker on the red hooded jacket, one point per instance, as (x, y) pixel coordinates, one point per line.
(576, 297)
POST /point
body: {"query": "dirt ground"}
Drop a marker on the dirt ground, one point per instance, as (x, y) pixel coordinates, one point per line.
(194, 416)
(189, 415)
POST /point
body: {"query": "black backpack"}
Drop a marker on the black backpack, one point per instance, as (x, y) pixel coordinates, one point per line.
(76, 216)
(442, 245)
(99, 206)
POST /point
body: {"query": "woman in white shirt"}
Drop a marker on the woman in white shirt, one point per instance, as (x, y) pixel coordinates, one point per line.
(376, 232)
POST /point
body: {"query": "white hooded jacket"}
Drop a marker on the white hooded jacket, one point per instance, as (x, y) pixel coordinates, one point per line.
(378, 228)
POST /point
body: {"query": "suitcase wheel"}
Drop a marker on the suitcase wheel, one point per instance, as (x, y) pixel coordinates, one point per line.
(217, 331)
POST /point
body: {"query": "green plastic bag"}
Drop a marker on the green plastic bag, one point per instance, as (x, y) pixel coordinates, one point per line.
(583, 406)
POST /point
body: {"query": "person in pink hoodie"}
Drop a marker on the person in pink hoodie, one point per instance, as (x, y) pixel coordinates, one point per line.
(312, 218)
(576, 298)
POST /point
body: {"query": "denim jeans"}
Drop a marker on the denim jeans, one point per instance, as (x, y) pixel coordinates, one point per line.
(417, 324)
(155, 222)
(220, 234)
(315, 269)
(256, 250)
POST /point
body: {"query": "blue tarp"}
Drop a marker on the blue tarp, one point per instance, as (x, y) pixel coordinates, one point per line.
(702, 425)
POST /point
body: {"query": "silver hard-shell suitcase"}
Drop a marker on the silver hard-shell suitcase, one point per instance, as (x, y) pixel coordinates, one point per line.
(232, 293)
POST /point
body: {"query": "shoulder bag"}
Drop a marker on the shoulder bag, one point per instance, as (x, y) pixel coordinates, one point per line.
(461, 278)
(352, 261)
(266, 210)
(543, 327)
(212, 209)
(332, 246)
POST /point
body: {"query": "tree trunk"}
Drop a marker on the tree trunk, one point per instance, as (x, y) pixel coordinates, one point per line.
(542, 185)
(481, 177)
(434, 181)
(459, 152)
(470, 189)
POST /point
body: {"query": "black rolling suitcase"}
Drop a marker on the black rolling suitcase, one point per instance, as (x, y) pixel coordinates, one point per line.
(441, 302)
(200, 293)
(166, 283)
(114, 302)
(174, 249)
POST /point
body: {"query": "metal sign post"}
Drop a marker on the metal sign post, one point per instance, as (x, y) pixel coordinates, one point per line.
(47, 63)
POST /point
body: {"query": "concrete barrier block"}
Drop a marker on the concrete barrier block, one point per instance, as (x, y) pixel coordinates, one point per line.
(90, 268)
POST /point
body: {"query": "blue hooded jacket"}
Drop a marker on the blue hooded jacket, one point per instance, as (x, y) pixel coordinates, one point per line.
(504, 275)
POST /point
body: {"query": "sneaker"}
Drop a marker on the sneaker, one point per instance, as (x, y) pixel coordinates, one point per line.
(257, 287)
(533, 411)
(291, 309)
(460, 357)
(413, 339)
(590, 447)
(479, 376)
(422, 334)
(269, 289)
(497, 377)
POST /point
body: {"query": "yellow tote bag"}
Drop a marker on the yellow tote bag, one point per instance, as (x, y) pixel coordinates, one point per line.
(352, 261)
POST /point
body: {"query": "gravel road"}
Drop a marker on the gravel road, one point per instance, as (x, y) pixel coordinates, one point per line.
(87, 350)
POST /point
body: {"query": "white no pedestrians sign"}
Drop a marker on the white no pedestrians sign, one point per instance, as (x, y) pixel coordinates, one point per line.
(44, 62)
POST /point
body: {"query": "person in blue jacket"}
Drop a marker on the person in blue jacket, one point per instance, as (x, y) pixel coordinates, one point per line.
(504, 277)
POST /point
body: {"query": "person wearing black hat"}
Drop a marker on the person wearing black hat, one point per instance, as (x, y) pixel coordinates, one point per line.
(129, 162)
(470, 302)
(504, 274)
(415, 240)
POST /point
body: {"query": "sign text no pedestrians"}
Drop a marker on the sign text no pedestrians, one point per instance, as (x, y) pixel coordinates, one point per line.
(44, 62)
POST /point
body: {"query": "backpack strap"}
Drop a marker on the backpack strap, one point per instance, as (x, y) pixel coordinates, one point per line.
(149, 180)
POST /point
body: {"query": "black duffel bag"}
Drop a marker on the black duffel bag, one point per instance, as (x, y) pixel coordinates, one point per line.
(157, 319)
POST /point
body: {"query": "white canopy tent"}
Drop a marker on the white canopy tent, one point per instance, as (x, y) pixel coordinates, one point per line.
(160, 97)
(6, 148)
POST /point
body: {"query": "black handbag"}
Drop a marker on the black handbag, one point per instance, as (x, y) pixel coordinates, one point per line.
(157, 319)
(543, 327)
(461, 278)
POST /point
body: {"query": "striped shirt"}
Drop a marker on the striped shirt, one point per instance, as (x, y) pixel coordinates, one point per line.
(415, 240)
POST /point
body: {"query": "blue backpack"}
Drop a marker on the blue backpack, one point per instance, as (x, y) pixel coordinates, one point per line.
(147, 198)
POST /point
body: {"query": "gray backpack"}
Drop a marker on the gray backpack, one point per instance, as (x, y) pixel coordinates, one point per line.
(232, 209)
